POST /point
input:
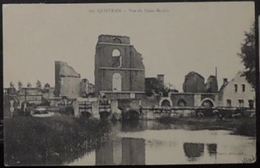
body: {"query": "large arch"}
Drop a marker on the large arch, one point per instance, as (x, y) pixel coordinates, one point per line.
(165, 102)
(116, 82)
(104, 115)
(116, 52)
(116, 58)
(131, 114)
(207, 102)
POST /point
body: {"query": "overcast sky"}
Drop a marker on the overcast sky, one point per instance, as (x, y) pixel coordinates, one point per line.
(174, 40)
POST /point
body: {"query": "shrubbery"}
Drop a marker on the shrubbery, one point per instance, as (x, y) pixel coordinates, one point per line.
(241, 126)
(56, 140)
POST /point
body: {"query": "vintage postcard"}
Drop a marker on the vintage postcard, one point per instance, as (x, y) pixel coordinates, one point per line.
(129, 83)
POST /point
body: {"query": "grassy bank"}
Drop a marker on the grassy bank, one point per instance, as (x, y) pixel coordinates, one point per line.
(239, 126)
(55, 140)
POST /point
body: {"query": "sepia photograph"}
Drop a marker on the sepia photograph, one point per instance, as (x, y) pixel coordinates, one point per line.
(169, 83)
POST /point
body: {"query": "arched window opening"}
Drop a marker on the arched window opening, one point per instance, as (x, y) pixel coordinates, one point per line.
(117, 40)
(117, 82)
(251, 104)
(243, 87)
(229, 103)
(235, 87)
(116, 52)
(116, 58)
(241, 103)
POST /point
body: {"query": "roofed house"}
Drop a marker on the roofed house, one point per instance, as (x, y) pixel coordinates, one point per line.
(237, 93)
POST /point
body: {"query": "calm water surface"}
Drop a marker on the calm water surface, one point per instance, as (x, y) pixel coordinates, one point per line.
(149, 142)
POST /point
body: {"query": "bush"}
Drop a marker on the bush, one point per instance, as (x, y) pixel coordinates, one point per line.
(34, 141)
(246, 126)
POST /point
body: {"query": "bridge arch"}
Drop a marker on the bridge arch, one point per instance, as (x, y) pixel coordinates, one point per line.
(86, 114)
(207, 102)
(181, 102)
(165, 102)
(131, 114)
(104, 114)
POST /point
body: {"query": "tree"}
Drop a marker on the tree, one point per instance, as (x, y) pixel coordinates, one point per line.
(29, 85)
(20, 85)
(47, 86)
(38, 84)
(247, 54)
(11, 85)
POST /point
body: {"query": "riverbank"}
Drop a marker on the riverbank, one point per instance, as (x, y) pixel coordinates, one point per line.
(239, 126)
(50, 141)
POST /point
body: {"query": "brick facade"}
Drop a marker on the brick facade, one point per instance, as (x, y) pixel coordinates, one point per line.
(127, 65)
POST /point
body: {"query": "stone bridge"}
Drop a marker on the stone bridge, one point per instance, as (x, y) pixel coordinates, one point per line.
(190, 100)
(146, 108)
(91, 107)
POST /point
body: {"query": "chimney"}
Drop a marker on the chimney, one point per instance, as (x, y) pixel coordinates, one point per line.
(160, 77)
(216, 72)
(225, 81)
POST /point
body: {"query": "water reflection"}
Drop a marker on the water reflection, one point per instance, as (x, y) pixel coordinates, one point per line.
(133, 152)
(193, 151)
(133, 125)
(123, 151)
(212, 149)
(140, 125)
(139, 143)
(104, 154)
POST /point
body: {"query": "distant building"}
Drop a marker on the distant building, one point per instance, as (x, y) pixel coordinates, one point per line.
(91, 88)
(10, 91)
(118, 66)
(67, 81)
(194, 83)
(83, 87)
(154, 85)
(30, 95)
(160, 78)
(237, 93)
(48, 93)
(86, 88)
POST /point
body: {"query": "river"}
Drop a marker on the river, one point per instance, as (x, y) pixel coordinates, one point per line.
(151, 143)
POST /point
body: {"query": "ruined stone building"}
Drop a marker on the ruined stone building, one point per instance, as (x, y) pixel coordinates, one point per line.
(118, 66)
(195, 92)
(212, 84)
(67, 81)
(154, 85)
(86, 88)
(194, 83)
